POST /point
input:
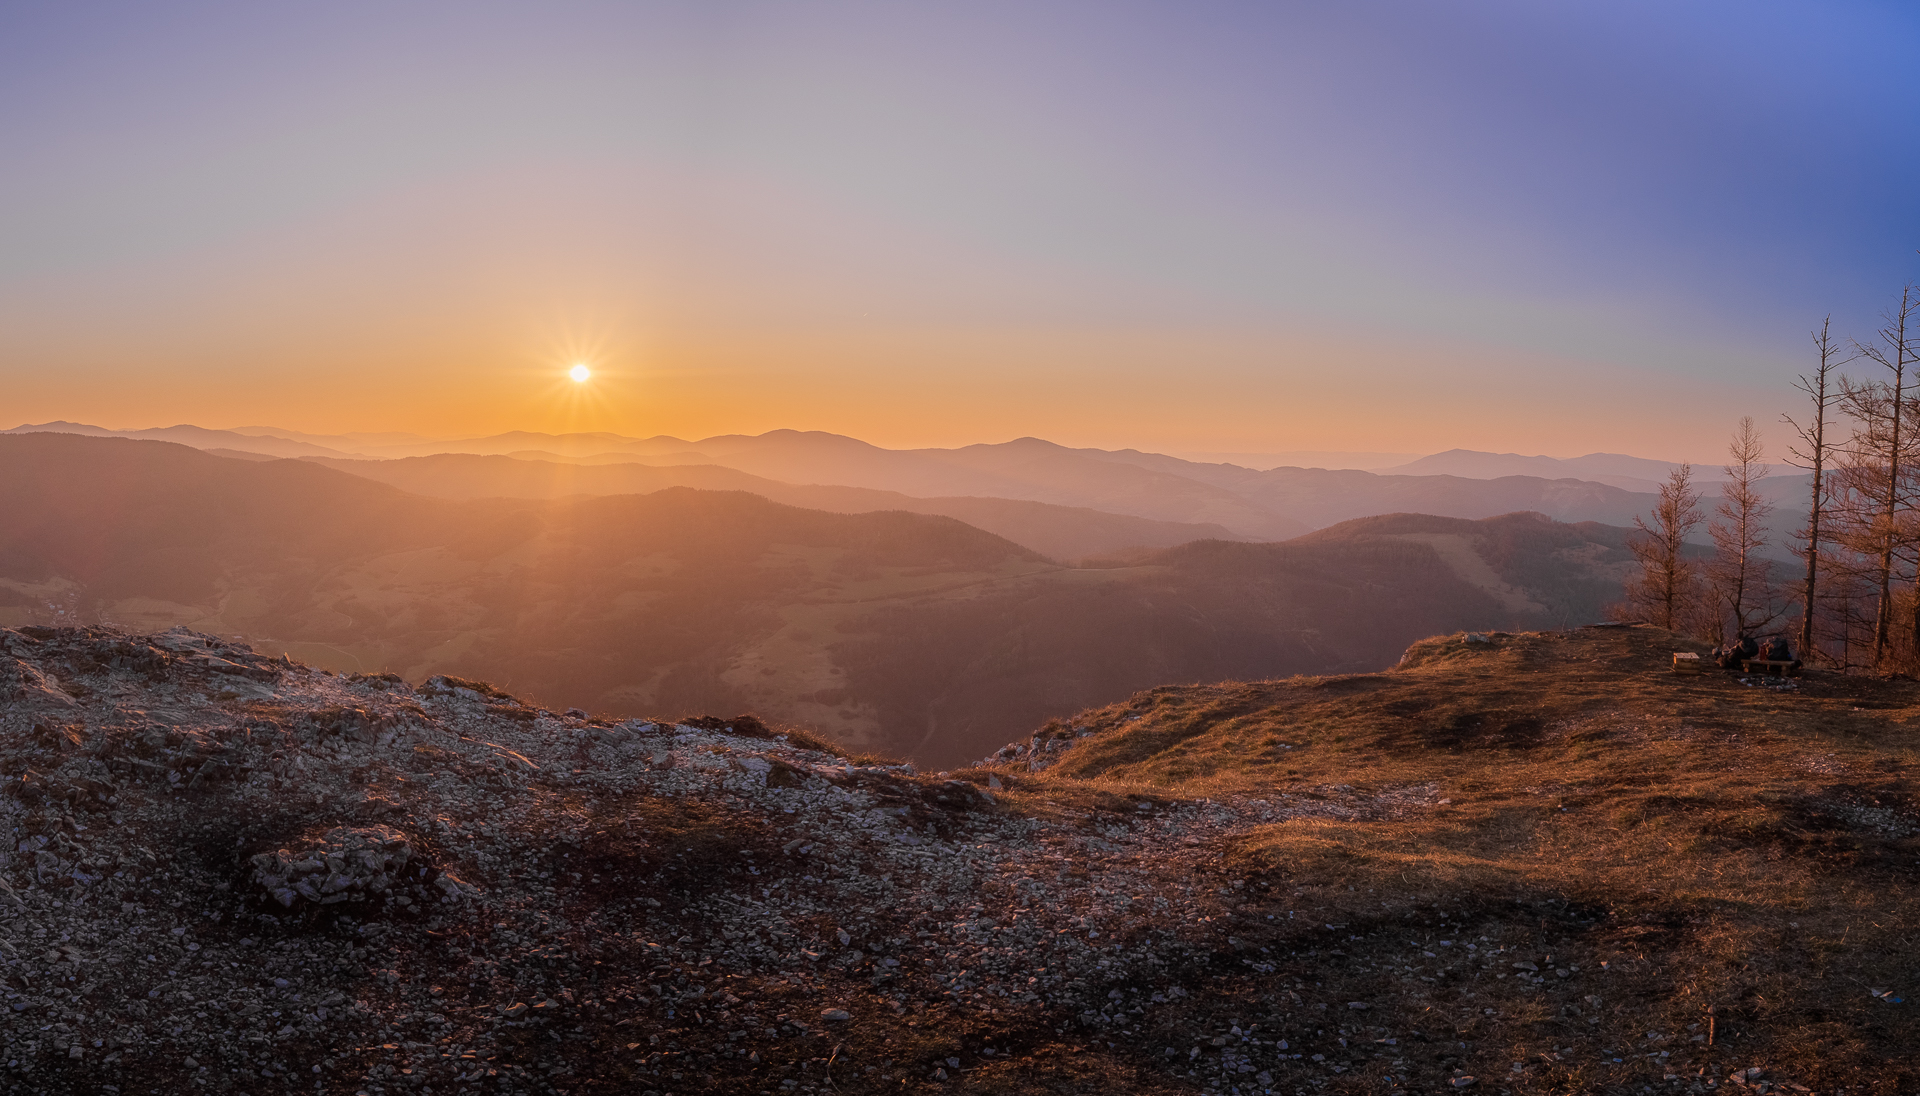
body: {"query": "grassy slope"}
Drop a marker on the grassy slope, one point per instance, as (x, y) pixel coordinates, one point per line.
(1725, 873)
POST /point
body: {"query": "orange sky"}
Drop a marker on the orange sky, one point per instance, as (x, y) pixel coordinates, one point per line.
(1393, 227)
(1163, 390)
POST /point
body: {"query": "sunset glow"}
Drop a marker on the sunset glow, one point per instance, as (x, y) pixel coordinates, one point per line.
(584, 445)
(910, 225)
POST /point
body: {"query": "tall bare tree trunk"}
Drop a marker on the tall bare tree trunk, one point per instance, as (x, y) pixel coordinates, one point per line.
(1894, 352)
(1907, 353)
(1883, 618)
(1812, 455)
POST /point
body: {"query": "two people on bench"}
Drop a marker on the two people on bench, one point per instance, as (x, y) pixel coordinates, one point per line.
(1735, 655)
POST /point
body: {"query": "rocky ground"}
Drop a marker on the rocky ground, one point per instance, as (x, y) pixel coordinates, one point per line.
(229, 873)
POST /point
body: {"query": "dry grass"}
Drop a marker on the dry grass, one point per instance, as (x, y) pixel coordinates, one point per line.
(1725, 872)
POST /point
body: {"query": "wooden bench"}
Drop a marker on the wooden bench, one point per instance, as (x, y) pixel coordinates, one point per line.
(1769, 667)
(1686, 662)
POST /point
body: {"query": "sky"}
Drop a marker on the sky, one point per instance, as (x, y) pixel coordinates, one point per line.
(1549, 228)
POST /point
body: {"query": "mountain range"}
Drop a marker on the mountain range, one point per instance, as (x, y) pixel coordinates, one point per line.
(1180, 499)
(910, 632)
(1637, 474)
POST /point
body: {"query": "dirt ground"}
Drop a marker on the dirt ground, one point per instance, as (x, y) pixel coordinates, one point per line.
(1536, 863)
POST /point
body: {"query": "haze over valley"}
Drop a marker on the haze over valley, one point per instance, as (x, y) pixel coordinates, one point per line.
(886, 621)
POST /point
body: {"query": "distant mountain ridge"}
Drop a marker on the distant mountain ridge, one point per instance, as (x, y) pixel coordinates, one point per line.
(1059, 532)
(1639, 474)
(1211, 499)
(908, 632)
(196, 436)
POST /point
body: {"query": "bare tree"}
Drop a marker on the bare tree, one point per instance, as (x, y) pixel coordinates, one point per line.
(1667, 586)
(1811, 454)
(1741, 577)
(1880, 448)
(1860, 546)
(1899, 348)
(1844, 625)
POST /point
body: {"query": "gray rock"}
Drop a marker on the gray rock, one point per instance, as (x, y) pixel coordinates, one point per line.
(347, 864)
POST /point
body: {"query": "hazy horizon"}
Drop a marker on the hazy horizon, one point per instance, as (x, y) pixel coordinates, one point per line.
(1358, 459)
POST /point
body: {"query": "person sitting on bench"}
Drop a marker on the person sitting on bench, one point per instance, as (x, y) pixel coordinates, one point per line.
(1779, 650)
(1735, 655)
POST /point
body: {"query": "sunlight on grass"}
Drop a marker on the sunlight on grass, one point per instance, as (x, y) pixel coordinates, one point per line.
(1710, 849)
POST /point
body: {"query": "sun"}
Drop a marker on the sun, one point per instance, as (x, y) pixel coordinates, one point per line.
(579, 373)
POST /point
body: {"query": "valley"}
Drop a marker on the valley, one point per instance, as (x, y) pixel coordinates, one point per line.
(912, 634)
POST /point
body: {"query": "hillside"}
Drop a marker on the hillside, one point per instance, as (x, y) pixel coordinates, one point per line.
(1268, 505)
(1025, 471)
(676, 600)
(1535, 568)
(1058, 532)
(1345, 599)
(1549, 862)
(907, 633)
(1532, 864)
(1273, 504)
(195, 436)
(1629, 473)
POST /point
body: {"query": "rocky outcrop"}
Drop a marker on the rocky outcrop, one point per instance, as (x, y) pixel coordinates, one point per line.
(353, 864)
